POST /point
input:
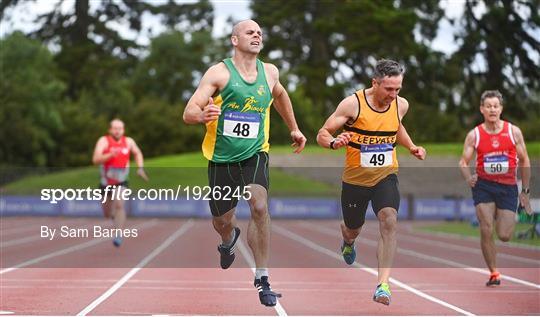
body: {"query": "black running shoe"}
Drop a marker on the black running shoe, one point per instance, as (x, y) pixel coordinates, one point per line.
(227, 252)
(266, 296)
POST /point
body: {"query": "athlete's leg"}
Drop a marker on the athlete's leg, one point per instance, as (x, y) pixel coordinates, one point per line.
(505, 224)
(387, 242)
(349, 235)
(107, 208)
(119, 210)
(505, 216)
(225, 224)
(486, 214)
(354, 203)
(259, 225)
(385, 203)
(255, 176)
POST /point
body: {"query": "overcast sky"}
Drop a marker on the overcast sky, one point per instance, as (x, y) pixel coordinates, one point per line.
(21, 18)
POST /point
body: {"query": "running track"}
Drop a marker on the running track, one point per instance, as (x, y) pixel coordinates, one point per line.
(171, 269)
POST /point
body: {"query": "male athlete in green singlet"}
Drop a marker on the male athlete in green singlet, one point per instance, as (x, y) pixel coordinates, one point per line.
(233, 100)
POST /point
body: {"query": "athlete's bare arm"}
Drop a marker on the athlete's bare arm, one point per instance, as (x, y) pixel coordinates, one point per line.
(466, 157)
(200, 107)
(98, 157)
(402, 136)
(139, 158)
(283, 105)
(347, 110)
(524, 167)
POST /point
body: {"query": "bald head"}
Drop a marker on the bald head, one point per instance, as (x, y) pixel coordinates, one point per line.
(238, 27)
(116, 122)
(247, 38)
(116, 128)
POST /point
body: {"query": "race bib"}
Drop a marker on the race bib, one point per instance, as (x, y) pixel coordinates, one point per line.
(241, 125)
(376, 155)
(497, 164)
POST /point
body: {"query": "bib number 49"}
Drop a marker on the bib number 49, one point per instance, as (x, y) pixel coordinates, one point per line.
(377, 160)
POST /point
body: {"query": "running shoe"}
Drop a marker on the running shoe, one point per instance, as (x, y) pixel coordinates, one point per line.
(494, 279)
(266, 295)
(117, 242)
(382, 294)
(349, 252)
(227, 252)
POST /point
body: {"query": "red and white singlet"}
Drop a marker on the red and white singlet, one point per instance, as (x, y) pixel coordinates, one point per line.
(496, 157)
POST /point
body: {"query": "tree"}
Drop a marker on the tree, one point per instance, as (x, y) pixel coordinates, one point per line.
(329, 47)
(30, 97)
(91, 49)
(174, 64)
(498, 50)
(156, 127)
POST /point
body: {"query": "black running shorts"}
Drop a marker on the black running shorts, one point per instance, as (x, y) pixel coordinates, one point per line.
(230, 179)
(355, 200)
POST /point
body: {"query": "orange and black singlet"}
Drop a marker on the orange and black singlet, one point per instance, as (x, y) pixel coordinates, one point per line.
(371, 153)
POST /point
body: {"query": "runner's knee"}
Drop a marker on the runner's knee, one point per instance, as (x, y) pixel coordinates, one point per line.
(504, 236)
(259, 207)
(389, 223)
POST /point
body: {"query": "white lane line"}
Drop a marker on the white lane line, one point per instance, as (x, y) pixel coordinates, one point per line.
(430, 258)
(456, 236)
(333, 254)
(342, 290)
(249, 259)
(183, 228)
(36, 226)
(67, 250)
(445, 245)
(450, 246)
(10, 243)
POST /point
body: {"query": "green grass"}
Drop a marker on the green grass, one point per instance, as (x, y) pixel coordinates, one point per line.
(465, 229)
(189, 169)
(534, 149)
(445, 149)
(165, 172)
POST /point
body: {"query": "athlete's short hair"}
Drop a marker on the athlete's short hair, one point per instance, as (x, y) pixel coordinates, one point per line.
(491, 94)
(387, 67)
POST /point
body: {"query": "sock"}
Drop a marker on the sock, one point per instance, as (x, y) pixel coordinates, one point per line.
(260, 273)
(345, 243)
(229, 243)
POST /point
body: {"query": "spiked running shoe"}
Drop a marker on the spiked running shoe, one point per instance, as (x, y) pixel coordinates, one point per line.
(227, 252)
(266, 295)
(382, 294)
(494, 279)
(349, 252)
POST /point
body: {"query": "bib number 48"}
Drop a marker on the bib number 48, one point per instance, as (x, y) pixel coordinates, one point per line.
(241, 129)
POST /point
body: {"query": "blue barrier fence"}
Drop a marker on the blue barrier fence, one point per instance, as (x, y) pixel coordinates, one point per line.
(288, 208)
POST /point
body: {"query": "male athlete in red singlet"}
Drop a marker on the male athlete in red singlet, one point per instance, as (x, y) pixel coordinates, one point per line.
(112, 153)
(500, 149)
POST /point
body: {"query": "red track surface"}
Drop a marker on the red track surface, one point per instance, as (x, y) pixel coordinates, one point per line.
(171, 269)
